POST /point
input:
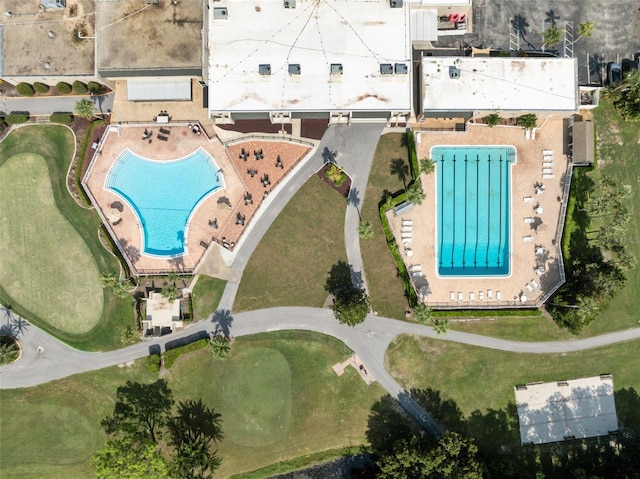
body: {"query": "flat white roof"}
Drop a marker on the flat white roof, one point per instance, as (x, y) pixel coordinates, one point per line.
(161, 311)
(159, 89)
(359, 35)
(578, 408)
(495, 84)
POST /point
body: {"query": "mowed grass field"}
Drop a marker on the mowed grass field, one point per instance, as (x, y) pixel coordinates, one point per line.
(55, 144)
(278, 396)
(290, 265)
(386, 290)
(482, 378)
(44, 263)
(206, 296)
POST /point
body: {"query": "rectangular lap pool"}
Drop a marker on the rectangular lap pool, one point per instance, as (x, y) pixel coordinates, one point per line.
(473, 202)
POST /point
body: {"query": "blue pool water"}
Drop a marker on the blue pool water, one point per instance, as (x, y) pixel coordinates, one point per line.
(473, 197)
(164, 194)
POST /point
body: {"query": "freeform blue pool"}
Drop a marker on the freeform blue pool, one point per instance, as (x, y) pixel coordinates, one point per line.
(164, 195)
(474, 199)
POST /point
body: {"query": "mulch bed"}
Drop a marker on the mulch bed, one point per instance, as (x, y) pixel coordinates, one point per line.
(343, 189)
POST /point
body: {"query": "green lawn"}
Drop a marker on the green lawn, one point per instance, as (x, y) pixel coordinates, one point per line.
(277, 394)
(290, 265)
(45, 265)
(56, 145)
(206, 296)
(386, 289)
(481, 378)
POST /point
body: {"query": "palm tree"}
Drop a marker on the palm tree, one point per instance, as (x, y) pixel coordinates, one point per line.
(170, 292)
(84, 108)
(492, 120)
(108, 279)
(427, 166)
(585, 30)
(415, 193)
(551, 36)
(221, 346)
(440, 326)
(528, 121)
(119, 289)
(422, 313)
(365, 230)
(9, 350)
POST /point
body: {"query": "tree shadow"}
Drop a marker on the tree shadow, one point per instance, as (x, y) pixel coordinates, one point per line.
(400, 168)
(387, 424)
(329, 156)
(339, 278)
(12, 324)
(131, 251)
(353, 198)
(551, 17)
(177, 263)
(223, 319)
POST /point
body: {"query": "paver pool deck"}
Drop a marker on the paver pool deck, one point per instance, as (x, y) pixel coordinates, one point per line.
(524, 261)
(223, 206)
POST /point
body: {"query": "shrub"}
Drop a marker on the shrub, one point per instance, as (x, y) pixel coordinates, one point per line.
(94, 87)
(40, 87)
(63, 118)
(153, 363)
(413, 155)
(25, 89)
(16, 118)
(79, 87)
(171, 355)
(63, 88)
(335, 175)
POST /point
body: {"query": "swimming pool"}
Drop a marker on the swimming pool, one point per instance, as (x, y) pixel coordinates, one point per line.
(164, 195)
(473, 204)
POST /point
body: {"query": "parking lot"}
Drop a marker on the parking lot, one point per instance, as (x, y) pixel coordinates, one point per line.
(616, 34)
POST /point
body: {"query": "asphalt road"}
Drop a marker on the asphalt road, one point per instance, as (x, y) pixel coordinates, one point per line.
(47, 106)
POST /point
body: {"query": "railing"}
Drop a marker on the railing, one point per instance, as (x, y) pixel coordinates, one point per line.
(267, 137)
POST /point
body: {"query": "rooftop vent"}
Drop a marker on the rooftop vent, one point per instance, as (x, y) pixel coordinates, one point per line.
(396, 3)
(264, 69)
(454, 72)
(294, 69)
(386, 69)
(289, 3)
(336, 68)
(401, 69)
(220, 13)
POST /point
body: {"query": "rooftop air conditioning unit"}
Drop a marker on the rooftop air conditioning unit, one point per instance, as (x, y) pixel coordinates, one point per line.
(454, 73)
(386, 69)
(289, 3)
(220, 13)
(336, 68)
(401, 68)
(264, 69)
(294, 69)
(396, 3)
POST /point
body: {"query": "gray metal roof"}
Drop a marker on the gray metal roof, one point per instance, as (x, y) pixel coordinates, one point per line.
(583, 142)
(159, 89)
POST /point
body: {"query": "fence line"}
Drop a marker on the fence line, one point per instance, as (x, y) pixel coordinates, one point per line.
(272, 137)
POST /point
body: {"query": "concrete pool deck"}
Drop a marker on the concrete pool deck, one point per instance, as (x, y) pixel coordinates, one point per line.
(224, 205)
(524, 261)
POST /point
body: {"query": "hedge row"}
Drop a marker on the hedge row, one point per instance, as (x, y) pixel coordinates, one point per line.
(16, 118)
(63, 88)
(171, 356)
(25, 89)
(40, 87)
(80, 162)
(413, 156)
(79, 87)
(63, 118)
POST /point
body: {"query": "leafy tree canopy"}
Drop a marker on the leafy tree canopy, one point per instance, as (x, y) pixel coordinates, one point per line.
(125, 458)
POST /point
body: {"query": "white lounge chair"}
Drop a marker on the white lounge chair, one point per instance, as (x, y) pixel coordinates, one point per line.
(548, 176)
(529, 220)
(408, 252)
(530, 288)
(489, 294)
(547, 164)
(416, 274)
(406, 240)
(472, 297)
(407, 222)
(405, 235)
(527, 239)
(407, 229)
(415, 267)
(539, 190)
(528, 199)
(498, 296)
(535, 284)
(480, 295)
(547, 152)
(452, 296)
(547, 171)
(460, 298)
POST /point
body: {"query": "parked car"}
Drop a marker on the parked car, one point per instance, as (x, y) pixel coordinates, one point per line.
(628, 66)
(614, 74)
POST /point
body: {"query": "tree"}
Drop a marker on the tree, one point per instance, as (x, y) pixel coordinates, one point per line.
(528, 121)
(551, 36)
(351, 306)
(126, 458)
(427, 166)
(9, 350)
(422, 313)
(193, 429)
(120, 289)
(170, 292)
(585, 30)
(84, 108)
(415, 193)
(107, 280)
(453, 457)
(440, 326)
(221, 346)
(365, 230)
(140, 410)
(25, 89)
(492, 120)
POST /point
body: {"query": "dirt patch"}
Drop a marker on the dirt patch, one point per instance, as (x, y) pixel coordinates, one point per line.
(343, 189)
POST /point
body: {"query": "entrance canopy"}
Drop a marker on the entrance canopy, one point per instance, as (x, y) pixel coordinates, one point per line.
(159, 89)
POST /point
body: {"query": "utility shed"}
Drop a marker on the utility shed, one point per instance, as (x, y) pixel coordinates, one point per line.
(563, 410)
(159, 89)
(583, 142)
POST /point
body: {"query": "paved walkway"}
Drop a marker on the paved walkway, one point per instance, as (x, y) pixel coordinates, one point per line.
(49, 105)
(45, 358)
